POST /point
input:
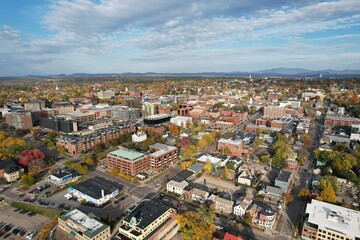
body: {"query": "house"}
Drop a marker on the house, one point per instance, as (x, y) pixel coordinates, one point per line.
(283, 180)
(199, 194)
(186, 175)
(196, 168)
(151, 220)
(223, 205)
(82, 226)
(96, 191)
(240, 209)
(176, 185)
(9, 171)
(229, 236)
(272, 192)
(262, 214)
(245, 177)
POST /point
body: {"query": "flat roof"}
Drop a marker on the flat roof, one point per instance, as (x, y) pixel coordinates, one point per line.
(335, 218)
(127, 154)
(147, 212)
(92, 226)
(284, 176)
(93, 187)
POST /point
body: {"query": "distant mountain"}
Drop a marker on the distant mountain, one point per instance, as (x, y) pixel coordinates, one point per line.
(280, 72)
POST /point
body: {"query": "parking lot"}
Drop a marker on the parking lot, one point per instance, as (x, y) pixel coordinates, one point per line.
(21, 221)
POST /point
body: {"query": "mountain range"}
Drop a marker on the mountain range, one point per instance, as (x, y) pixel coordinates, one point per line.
(280, 72)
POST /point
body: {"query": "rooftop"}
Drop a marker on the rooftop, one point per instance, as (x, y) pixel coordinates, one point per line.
(93, 187)
(208, 158)
(284, 176)
(147, 212)
(92, 226)
(333, 217)
(127, 154)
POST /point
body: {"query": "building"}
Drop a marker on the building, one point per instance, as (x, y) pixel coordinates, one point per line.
(127, 161)
(325, 221)
(62, 177)
(234, 147)
(176, 185)
(340, 121)
(181, 121)
(283, 180)
(216, 162)
(229, 236)
(184, 109)
(262, 214)
(223, 125)
(19, 119)
(34, 105)
(106, 94)
(157, 119)
(83, 227)
(274, 111)
(138, 137)
(245, 177)
(149, 109)
(125, 113)
(151, 220)
(9, 171)
(59, 124)
(96, 191)
(76, 144)
(241, 208)
(355, 132)
(223, 205)
(162, 156)
(199, 194)
(78, 116)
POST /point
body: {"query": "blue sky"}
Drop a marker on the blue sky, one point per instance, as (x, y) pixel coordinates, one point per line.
(115, 36)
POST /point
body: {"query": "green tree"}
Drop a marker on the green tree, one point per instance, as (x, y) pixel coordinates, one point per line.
(28, 179)
(88, 160)
(197, 225)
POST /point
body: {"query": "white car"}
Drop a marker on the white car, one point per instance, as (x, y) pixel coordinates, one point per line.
(219, 227)
(31, 235)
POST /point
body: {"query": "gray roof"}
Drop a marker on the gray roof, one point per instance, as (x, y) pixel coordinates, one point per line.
(284, 176)
(196, 168)
(274, 191)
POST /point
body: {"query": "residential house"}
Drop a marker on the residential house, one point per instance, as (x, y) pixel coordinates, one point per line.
(223, 205)
(262, 214)
(241, 208)
(176, 185)
(283, 180)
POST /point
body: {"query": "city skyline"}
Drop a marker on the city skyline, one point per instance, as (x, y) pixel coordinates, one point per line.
(63, 37)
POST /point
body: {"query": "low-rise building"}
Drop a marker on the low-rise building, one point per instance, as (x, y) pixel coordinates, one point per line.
(223, 205)
(61, 177)
(181, 121)
(81, 226)
(325, 221)
(231, 147)
(223, 125)
(150, 220)
(96, 191)
(176, 185)
(199, 194)
(241, 208)
(9, 171)
(216, 162)
(262, 215)
(283, 180)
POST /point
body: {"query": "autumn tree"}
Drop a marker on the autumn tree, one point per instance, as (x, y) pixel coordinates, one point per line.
(197, 225)
(88, 160)
(327, 195)
(185, 165)
(288, 198)
(307, 140)
(281, 150)
(174, 129)
(208, 167)
(304, 194)
(189, 151)
(28, 179)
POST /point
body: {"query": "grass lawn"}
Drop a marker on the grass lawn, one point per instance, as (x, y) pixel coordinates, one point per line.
(47, 212)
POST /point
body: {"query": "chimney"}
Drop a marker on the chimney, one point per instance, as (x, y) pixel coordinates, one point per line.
(102, 193)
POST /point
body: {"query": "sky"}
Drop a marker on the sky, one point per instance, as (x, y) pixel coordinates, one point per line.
(116, 36)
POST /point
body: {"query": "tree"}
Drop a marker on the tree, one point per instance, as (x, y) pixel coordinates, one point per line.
(185, 165)
(265, 158)
(227, 151)
(248, 218)
(327, 195)
(288, 198)
(304, 194)
(208, 167)
(174, 130)
(226, 173)
(189, 151)
(28, 179)
(306, 139)
(197, 225)
(327, 181)
(80, 168)
(202, 143)
(114, 171)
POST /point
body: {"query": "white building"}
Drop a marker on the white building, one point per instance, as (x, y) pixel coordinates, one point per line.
(176, 185)
(329, 221)
(240, 209)
(138, 137)
(181, 121)
(208, 158)
(106, 94)
(355, 132)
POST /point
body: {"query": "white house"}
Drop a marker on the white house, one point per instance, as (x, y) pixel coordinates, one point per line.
(138, 137)
(176, 185)
(199, 195)
(240, 209)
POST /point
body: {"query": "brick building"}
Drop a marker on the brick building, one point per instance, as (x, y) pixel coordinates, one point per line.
(19, 119)
(337, 121)
(162, 157)
(274, 111)
(127, 161)
(234, 146)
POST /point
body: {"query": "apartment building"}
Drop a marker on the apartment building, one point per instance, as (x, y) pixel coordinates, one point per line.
(19, 119)
(235, 147)
(162, 157)
(326, 221)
